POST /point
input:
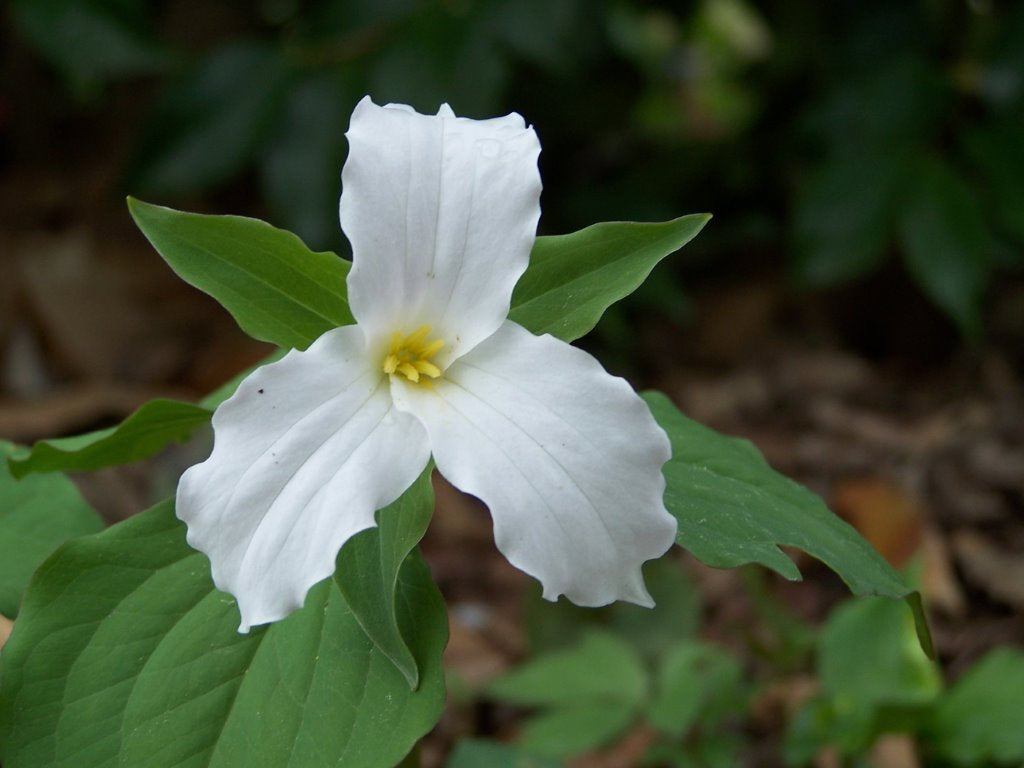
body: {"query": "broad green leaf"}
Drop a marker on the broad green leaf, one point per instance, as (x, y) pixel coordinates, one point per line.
(274, 286)
(593, 690)
(125, 654)
(696, 682)
(978, 721)
(946, 244)
(679, 609)
(572, 279)
(577, 727)
(210, 122)
(822, 722)
(868, 656)
(874, 678)
(151, 428)
(733, 509)
(280, 291)
(37, 515)
(477, 753)
(368, 568)
(567, 676)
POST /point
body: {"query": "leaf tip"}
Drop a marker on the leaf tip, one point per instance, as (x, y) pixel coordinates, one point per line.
(921, 626)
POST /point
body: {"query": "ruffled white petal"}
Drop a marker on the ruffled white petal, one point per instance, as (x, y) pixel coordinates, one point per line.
(441, 213)
(305, 452)
(567, 458)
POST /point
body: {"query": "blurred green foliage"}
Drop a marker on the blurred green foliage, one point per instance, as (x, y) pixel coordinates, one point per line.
(594, 674)
(834, 136)
(875, 680)
(598, 672)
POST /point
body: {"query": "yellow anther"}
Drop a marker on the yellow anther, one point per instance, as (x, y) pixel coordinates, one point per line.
(415, 339)
(432, 349)
(410, 355)
(428, 369)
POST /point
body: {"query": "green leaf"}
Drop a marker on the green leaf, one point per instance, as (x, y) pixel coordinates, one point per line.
(551, 626)
(679, 610)
(733, 509)
(593, 689)
(37, 515)
(125, 654)
(874, 678)
(576, 727)
(274, 286)
(868, 656)
(567, 676)
(821, 722)
(280, 291)
(696, 682)
(150, 429)
(572, 279)
(474, 753)
(978, 721)
(946, 245)
(369, 564)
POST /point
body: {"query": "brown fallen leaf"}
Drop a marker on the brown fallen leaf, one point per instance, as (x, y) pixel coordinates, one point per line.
(995, 570)
(625, 753)
(887, 515)
(895, 750)
(6, 625)
(470, 654)
(74, 409)
(828, 757)
(939, 583)
(778, 701)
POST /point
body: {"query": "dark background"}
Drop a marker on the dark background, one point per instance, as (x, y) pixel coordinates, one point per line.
(856, 306)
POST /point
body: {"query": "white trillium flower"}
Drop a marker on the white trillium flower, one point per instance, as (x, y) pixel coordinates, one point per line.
(441, 213)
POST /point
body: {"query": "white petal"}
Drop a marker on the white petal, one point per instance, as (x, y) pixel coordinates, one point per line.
(304, 453)
(441, 212)
(567, 458)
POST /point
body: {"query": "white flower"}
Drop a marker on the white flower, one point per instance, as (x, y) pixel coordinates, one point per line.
(441, 212)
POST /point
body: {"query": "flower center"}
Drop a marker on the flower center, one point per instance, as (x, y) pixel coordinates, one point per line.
(410, 355)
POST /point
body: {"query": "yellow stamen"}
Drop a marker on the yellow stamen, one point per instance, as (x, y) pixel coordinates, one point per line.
(426, 368)
(432, 348)
(410, 371)
(415, 339)
(410, 356)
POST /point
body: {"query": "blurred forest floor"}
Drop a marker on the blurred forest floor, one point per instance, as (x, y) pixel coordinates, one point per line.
(862, 393)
